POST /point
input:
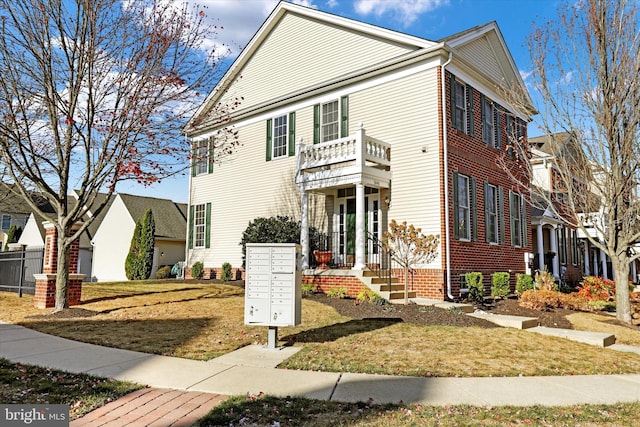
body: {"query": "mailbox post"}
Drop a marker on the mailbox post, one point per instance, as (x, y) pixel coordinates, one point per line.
(273, 292)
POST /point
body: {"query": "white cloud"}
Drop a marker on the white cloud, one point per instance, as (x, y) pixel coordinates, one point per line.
(405, 11)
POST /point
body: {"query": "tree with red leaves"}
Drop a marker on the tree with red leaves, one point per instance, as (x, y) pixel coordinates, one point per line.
(94, 93)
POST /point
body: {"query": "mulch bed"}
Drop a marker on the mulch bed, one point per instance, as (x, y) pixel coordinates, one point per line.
(424, 315)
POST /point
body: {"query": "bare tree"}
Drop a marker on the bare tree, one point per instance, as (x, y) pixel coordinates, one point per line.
(94, 93)
(585, 70)
(408, 246)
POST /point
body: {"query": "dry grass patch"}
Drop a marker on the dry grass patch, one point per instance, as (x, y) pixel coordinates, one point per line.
(606, 323)
(205, 320)
(191, 320)
(407, 349)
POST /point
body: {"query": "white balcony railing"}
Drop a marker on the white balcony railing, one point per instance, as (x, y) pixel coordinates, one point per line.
(358, 150)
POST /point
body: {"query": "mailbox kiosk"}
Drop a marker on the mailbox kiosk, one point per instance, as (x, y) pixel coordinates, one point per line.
(273, 292)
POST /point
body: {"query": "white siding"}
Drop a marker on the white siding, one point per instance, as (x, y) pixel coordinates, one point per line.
(111, 243)
(403, 112)
(480, 53)
(301, 52)
(31, 234)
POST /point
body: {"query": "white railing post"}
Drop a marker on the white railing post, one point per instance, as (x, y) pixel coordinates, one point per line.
(361, 147)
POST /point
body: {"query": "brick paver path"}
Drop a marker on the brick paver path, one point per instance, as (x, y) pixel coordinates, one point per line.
(152, 407)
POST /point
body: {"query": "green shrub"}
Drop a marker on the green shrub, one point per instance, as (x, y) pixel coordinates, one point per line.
(474, 282)
(371, 296)
(500, 285)
(524, 282)
(164, 272)
(338, 292)
(13, 235)
(279, 229)
(225, 274)
(197, 270)
(308, 288)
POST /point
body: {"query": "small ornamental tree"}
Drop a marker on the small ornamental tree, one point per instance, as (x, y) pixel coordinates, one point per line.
(147, 244)
(13, 235)
(408, 246)
(139, 261)
(131, 263)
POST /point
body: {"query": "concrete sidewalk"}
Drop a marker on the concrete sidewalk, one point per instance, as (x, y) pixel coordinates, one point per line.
(252, 370)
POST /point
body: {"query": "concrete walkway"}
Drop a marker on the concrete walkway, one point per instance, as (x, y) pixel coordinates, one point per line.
(252, 370)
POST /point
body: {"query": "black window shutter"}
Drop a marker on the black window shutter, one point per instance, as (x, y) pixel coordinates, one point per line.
(474, 210)
(344, 116)
(456, 232)
(470, 116)
(501, 215)
(194, 160)
(497, 130)
(483, 114)
(292, 134)
(191, 216)
(316, 124)
(523, 222)
(269, 130)
(487, 221)
(207, 232)
(452, 100)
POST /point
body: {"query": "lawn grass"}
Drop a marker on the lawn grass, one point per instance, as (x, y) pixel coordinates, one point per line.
(597, 322)
(24, 384)
(270, 411)
(204, 320)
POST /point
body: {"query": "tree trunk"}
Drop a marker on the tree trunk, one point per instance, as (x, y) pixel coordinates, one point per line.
(406, 285)
(620, 267)
(62, 274)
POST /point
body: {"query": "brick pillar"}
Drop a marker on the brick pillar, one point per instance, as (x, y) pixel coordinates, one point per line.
(45, 292)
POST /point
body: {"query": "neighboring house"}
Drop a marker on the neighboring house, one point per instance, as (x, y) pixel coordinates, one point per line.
(14, 210)
(112, 239)
(33, 236)
(559, 246)
(384, 125)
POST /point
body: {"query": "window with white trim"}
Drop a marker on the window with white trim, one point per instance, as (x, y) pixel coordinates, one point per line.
(202, 157)
(6, 222)
(488, 128)
(330, 121)
(463, 212)
(491, 212)
(280, 135)
(518, 220)
(460, 109)
(199, 226)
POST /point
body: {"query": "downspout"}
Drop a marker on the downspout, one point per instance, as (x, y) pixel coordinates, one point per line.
(447, 233)
(186, 246)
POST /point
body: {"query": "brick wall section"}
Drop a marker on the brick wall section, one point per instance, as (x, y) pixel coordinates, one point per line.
(428, 283)
(45, 291)
(469, 155)
(323, 283)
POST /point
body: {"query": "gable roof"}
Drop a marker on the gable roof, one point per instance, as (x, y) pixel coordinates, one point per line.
(12, 203)
(170, 217)
(487, 37)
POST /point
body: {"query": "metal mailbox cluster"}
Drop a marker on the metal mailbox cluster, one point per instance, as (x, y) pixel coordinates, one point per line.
(273, 292)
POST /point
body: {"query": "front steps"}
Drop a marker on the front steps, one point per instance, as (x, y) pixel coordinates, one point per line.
(393, 292)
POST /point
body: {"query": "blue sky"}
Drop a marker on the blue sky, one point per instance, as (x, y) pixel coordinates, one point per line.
(430, 19)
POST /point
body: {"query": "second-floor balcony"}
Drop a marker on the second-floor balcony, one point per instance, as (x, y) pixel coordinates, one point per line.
(357, 158)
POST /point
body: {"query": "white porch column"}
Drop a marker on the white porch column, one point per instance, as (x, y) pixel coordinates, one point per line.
(304, 229)
(360, 230)
(596, 268)
(603, 261)
(633, 271)
(553, 243)
(587, 269)
(540, 244)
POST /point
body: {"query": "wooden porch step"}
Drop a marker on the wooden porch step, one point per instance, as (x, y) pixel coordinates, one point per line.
(397, 295)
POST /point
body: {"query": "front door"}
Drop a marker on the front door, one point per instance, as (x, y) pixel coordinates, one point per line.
(345, 241)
